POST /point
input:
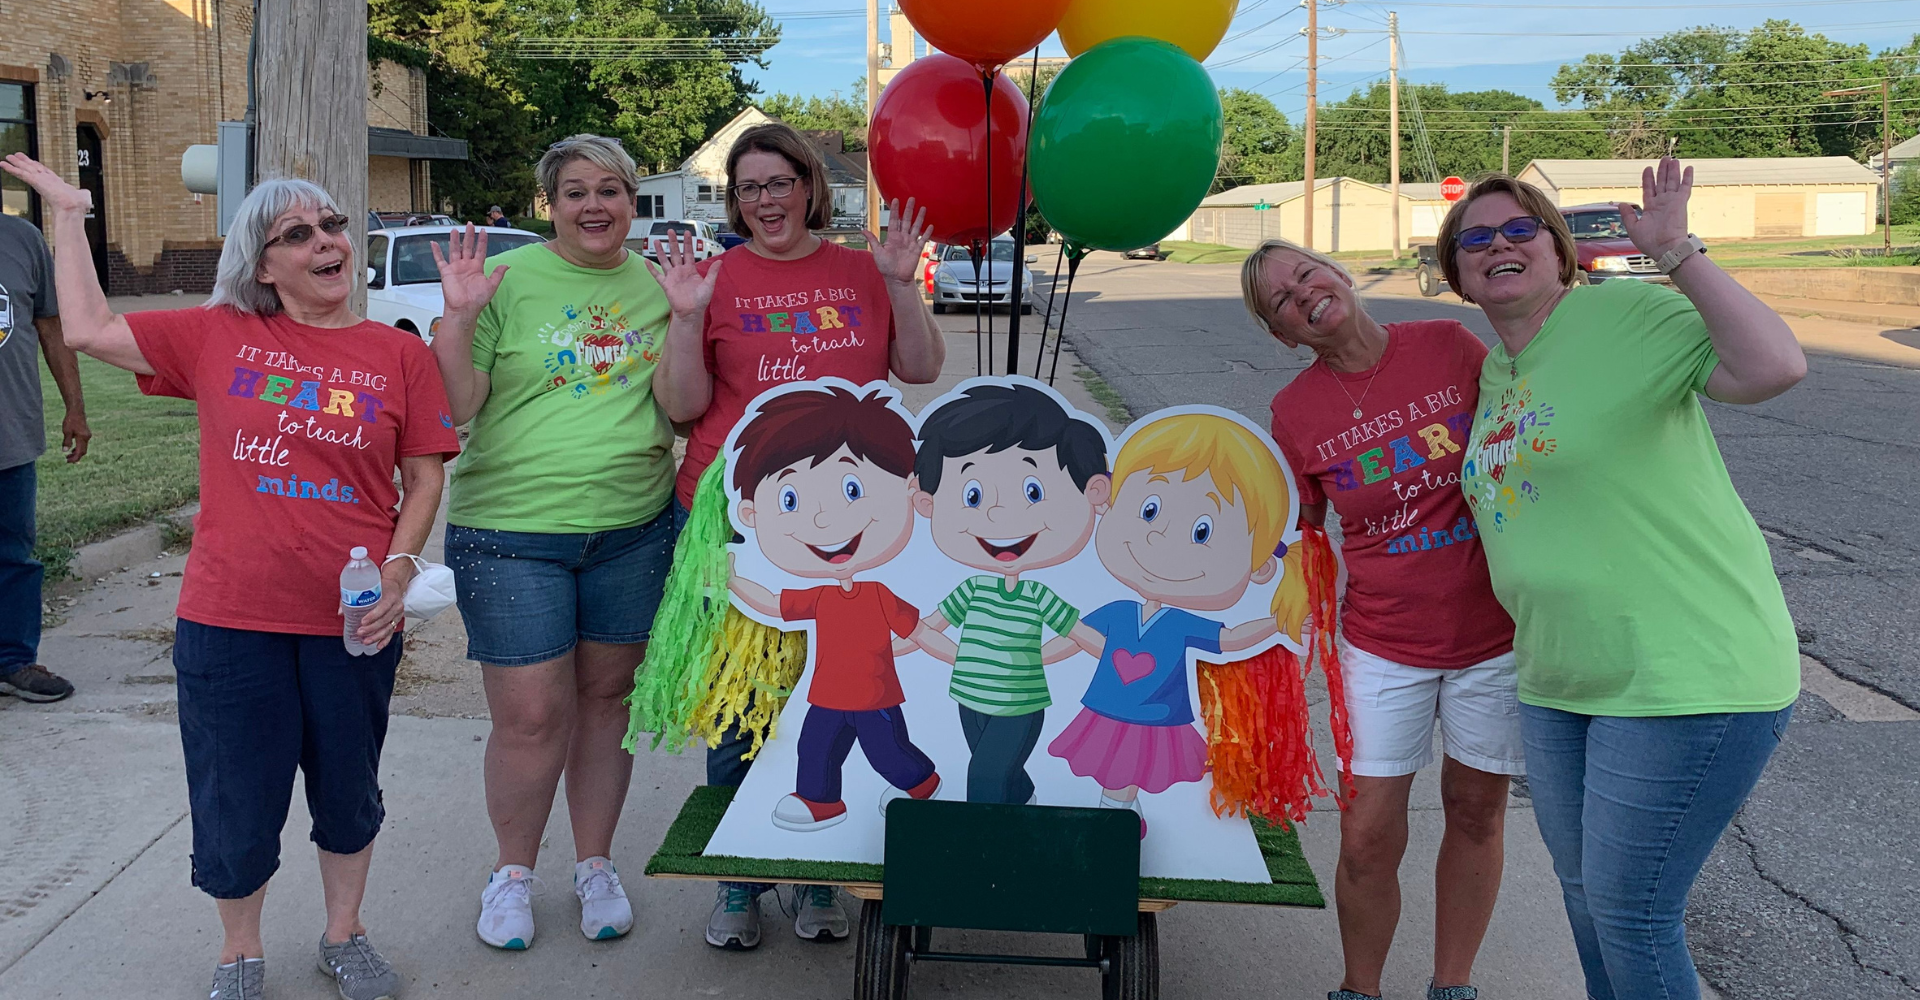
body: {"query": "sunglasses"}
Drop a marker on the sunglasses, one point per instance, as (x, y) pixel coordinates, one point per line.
(332, 225)
(1479, 238)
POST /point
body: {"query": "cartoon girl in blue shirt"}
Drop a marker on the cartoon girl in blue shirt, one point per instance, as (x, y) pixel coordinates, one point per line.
(1195, 495)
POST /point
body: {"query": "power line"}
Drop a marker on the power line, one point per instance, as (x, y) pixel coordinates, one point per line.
(1665, 111)
(1655, 126)
(1230, 39)
(1254, 54)
(1531, 8)
(1687, 31)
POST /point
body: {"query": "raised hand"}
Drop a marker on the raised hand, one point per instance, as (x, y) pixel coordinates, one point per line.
(688, 292)
(464, 282)
(1661, 221)
(899, 257)
(58, 194)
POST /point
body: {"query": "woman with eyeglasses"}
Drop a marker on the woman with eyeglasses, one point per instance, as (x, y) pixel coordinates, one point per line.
(782, 307)
(1378, 425)
(1658, 663)
(560, 529)
(306, 410)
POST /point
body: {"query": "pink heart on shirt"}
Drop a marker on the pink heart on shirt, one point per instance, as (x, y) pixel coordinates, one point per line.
(1132, 666)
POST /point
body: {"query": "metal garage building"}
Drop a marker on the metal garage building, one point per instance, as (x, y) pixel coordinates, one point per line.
(1347, 214)
(1760, 198)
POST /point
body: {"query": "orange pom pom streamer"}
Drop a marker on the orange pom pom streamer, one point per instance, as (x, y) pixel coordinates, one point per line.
(1259, 741)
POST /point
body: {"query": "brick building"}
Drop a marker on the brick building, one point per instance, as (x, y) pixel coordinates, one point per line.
(110, 93)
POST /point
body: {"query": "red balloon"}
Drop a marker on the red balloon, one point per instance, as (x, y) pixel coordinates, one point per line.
(986, 33)
(929, 141)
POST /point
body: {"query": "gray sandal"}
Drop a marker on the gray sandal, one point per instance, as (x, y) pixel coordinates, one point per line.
(1451, 992)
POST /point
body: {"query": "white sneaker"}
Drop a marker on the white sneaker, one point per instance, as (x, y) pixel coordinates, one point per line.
(1132, 804)
(818, 915)
(506, 908)
(604, 911)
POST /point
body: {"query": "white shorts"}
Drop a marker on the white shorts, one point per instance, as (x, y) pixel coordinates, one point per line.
(1392, 706)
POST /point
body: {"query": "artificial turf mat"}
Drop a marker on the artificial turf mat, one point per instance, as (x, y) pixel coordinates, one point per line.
(680, 854)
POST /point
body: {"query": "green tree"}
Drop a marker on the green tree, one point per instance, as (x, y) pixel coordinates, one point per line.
(1905, 207)
(1254, 148)
(833, 112)
(1721, 92)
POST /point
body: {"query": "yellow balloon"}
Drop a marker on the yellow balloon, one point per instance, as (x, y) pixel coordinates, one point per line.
(1195, 25)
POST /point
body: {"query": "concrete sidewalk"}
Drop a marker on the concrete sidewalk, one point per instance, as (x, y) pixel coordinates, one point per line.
(95, 900)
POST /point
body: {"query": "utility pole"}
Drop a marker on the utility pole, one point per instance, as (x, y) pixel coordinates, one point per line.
(1313, 97)
(873, 99)
(1886, 155)
(1393, 121)
(1506, 150)
(311, 67)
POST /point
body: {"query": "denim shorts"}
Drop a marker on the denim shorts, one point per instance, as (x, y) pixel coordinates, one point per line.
(529, 597)
(253, 707)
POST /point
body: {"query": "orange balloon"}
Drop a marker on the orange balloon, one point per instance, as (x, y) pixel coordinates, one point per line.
(987, 33)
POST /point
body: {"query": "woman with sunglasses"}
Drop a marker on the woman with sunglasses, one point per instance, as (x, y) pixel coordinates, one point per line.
(1658, 664)
(306, 409)
(1377, 424)
(560, 529)
(782, 307)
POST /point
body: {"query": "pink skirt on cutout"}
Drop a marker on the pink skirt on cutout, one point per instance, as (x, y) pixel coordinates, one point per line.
(1119, 754)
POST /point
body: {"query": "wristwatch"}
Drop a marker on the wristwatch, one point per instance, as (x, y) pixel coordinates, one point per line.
(1670, 260)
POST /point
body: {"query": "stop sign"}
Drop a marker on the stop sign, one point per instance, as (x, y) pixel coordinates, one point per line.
(1453, 189)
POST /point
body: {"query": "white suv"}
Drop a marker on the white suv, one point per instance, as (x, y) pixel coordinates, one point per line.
(403, 285)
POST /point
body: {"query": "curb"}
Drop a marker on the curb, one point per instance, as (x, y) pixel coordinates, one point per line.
(1791, 308)
(110, 555)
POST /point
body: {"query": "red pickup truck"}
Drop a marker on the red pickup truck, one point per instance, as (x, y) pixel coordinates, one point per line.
(1599, 239)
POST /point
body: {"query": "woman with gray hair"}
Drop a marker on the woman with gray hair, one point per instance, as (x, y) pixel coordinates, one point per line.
(561, 528)
(305, 410)
(1378, 424)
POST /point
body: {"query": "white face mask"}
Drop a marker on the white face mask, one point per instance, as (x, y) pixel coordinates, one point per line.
(431, 591)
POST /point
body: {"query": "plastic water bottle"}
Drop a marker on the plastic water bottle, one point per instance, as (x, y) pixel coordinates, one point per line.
(359, 592)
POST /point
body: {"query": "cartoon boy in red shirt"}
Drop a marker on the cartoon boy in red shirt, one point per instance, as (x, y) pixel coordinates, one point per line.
(824, 479)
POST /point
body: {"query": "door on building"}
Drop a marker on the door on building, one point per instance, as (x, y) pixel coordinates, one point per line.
(1780, 215)
(93, 179)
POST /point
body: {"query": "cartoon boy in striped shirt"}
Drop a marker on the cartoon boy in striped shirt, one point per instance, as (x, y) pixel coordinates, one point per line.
(1009, 482)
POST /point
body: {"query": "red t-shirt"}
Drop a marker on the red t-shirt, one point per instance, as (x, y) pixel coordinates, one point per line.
(300, 432)
(1417, 586)
(777, 321)
(852, 643)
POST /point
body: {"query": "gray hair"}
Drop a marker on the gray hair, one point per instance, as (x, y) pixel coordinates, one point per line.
(238, 282)
(1253, 281)
(602, 152)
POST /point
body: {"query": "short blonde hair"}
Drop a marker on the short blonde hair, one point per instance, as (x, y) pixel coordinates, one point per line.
(1533, 200)
(1241, 464)
(1253, 280)
(607, 154)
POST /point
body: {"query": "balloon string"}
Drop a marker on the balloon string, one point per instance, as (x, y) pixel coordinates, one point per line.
(1018, 299)
(1053, 292)
(979, 356)
(1073, 268)
(986, 83)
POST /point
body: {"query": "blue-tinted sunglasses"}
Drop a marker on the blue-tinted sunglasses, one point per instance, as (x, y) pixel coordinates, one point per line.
(1479, 238)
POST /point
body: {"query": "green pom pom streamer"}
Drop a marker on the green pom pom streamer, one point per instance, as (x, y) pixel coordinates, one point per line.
(675, 676)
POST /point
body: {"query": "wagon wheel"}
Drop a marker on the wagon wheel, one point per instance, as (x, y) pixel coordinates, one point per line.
(880, 964)
(1428, 282)
(1133, 964)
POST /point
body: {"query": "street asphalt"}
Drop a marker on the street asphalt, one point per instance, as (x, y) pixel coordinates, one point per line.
(1815, 891)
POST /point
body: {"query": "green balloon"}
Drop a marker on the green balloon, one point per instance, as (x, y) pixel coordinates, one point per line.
(1125, 144)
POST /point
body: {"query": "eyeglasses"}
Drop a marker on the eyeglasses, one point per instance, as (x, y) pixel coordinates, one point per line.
(1479, 238)
(332, 225)
(747, 192)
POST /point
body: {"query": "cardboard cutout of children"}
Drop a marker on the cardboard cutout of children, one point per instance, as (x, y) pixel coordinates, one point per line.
(972, 555)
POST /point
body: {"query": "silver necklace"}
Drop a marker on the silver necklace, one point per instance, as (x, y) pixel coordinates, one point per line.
(1363, 393)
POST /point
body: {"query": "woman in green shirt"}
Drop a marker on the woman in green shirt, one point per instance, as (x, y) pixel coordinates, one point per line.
(560, 530)
(1658, 664)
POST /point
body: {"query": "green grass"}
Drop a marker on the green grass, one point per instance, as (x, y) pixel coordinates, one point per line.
(1184, 252)
(681, 853)
(1781, 253)
(142, 463)
(1107, 396)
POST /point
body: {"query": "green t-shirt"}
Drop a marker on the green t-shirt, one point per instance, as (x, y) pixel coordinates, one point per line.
(570, 439)
(1638, 582)
(997, 670)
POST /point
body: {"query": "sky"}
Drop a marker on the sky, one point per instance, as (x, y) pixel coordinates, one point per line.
(1467, 44)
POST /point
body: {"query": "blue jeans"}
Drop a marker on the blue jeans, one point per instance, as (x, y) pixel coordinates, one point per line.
(255, 707)
(20, 573)
(1629, 809)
